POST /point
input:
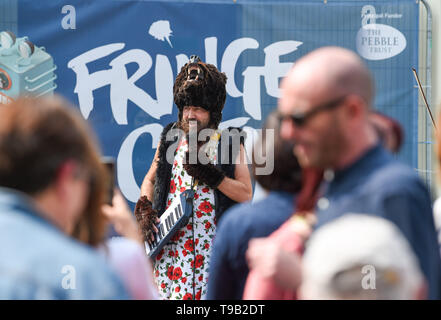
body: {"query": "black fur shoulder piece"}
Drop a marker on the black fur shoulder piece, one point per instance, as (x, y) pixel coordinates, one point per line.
(236, 137)
(163, 171)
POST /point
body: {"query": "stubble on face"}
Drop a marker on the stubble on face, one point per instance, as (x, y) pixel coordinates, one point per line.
(323, 149)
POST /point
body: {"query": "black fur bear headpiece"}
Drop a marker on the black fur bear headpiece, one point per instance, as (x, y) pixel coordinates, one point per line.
(202, 85)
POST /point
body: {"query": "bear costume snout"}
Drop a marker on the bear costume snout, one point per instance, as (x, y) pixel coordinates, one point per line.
(202, 85)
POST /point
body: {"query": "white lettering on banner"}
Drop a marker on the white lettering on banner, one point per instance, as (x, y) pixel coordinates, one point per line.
(123, 88)
(87, 83)
(370, 16)
(271, 71)
(229, 60)
(124, 169)
(210, 51)
(181, 60)
(379, 42)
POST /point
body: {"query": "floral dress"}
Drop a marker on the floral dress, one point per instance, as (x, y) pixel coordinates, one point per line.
(190, 247)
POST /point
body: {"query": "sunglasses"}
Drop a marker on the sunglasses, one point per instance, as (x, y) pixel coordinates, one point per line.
(300, 119)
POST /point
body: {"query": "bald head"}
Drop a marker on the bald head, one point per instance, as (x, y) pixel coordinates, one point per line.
(325, 105)
(332, 72)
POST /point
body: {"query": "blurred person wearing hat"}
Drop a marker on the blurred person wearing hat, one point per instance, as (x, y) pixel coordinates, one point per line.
(376, 264)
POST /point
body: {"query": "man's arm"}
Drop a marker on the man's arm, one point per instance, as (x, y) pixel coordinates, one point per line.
(238, 189)
(145, 215)
(149, 179)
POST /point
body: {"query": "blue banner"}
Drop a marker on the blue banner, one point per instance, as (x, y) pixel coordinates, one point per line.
(117, 60)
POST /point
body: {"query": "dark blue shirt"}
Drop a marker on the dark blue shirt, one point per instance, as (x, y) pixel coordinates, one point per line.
(378, 184)
(228, 267)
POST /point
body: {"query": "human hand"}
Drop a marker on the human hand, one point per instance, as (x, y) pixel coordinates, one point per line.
(121, 217)
(269, 259)
(204, 173)
(147, 218)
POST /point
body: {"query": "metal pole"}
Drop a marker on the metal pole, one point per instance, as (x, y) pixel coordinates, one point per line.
(429, 93)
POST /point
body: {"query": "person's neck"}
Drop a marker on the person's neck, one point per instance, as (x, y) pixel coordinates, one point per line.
(46, 204)
(357, 146)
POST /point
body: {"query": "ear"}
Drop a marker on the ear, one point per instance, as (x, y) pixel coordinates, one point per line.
(355, 107)
(65, 174)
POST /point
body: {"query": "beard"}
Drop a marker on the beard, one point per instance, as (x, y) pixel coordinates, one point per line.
(185, 125)
(191, 134)
(323, 152)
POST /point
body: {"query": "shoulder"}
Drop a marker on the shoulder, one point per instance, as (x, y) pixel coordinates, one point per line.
(394, 189)
(396, 177)
(167, 128)
(95, 278)
(47, 257)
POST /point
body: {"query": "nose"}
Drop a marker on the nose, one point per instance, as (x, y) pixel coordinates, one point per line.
(287, 130)
(190, 113)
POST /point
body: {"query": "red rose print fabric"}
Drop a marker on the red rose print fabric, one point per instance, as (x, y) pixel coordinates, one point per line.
(183, 262)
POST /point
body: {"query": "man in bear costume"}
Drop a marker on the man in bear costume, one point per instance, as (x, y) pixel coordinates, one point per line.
(181, 268)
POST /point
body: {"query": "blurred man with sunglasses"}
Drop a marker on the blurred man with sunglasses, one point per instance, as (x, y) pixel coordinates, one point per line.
(325, 105)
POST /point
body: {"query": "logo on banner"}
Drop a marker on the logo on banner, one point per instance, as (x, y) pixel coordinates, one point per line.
(378, 41)
(160, 30)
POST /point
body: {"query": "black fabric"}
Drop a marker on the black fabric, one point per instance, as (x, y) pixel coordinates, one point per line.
(225, 164)
(163, 172)
(205, 173)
